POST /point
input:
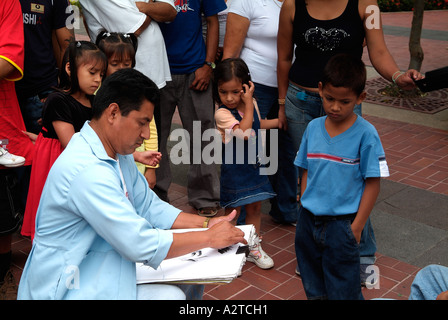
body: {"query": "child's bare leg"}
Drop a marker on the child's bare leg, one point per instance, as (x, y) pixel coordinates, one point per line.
(253, 215)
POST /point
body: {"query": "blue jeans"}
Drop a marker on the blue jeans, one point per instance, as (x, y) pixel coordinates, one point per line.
(284, 205)
(301, 107)
(300, 111)
(328, 257)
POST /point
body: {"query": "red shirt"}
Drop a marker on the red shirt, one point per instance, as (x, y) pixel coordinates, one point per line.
(12, 50)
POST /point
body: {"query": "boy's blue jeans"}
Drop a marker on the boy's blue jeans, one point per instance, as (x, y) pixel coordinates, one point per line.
(328, 257)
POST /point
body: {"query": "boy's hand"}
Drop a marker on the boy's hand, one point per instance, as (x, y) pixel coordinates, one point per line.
(357, 234)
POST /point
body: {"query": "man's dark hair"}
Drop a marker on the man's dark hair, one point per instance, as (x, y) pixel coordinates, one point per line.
(344, 70)
(128, 88)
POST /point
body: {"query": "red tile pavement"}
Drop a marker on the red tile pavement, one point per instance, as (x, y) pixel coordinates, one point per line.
(279, 283)
(416, 155)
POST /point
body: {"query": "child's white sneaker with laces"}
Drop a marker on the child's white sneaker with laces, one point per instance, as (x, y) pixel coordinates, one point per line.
(10, 160)
(257, 255)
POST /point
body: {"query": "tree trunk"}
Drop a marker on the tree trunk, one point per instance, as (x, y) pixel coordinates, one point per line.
(415, 48)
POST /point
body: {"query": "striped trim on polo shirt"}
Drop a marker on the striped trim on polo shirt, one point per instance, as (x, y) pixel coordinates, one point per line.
(329, 157)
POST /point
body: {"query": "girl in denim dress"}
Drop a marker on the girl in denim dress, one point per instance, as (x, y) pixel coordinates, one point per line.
(241, 182)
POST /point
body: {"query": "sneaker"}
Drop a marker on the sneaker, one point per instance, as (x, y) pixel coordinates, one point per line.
(258, 256)
(9, 160)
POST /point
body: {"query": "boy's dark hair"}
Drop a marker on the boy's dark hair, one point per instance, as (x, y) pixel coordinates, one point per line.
(120, 44)
(344, 70)
(228, 69)
(128, 88)
(76, 53)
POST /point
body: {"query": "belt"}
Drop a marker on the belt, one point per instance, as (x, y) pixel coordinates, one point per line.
(349, 216)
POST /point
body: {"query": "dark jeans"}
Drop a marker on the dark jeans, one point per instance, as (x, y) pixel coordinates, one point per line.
(328, 257)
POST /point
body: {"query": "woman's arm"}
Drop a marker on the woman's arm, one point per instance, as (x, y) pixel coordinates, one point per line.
(379, 54)
(236, 31)
(285, 54)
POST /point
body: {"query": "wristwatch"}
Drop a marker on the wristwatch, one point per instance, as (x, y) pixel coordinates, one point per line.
(211, 64)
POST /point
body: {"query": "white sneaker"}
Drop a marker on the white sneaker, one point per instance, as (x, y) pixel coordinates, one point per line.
(10, 160)
(258, 256)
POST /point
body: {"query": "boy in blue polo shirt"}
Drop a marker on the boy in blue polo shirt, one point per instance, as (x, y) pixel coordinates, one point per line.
(343, 160)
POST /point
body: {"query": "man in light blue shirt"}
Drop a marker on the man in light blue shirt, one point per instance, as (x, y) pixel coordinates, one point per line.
(97, 215)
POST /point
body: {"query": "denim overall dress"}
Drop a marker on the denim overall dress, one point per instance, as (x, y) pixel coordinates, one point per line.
(241, 183)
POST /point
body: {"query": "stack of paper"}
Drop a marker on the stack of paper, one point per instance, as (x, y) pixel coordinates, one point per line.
(203, 266)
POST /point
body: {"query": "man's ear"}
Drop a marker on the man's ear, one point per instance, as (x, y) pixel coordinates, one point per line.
(113, 111)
